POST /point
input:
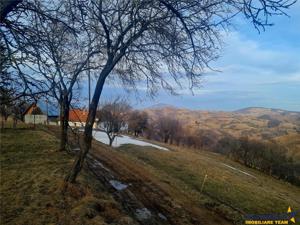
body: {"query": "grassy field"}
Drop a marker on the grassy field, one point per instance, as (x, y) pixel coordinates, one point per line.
(32, 172)
(226, 191)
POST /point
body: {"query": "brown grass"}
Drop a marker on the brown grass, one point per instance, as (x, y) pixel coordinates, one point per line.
(226, 191)
(32, 172)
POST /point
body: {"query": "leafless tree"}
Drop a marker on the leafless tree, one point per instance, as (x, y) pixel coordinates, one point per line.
(113, 116)
(10, 104)
(168, 128)
(161, 42)
(14, 31)
(6, 90)
(137, 122)
(58, 49)
(62, 54)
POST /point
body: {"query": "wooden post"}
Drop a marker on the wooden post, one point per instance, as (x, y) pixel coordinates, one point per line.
(205, 177)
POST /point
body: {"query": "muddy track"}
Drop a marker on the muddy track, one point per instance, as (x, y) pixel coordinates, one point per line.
(143, 192)
(140, 194)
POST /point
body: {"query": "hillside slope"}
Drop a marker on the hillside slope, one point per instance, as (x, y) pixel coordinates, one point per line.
(230, 189)
(169, 185)
(32, 172)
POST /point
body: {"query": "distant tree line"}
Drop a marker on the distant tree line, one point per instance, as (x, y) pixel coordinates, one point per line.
(169, 130)
(172, 131)
(268, 157)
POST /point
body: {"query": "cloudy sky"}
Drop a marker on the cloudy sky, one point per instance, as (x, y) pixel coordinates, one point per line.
(257, 70)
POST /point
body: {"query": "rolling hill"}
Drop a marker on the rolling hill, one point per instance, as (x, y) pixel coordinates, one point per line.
(256, 123)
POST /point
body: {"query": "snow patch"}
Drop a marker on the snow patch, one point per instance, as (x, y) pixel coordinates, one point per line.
(118, 185)
(143, 214)
(241, 171)
(162, 216)
(121, 140)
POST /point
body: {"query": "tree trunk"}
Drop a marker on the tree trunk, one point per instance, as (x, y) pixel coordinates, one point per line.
(2, 122)
(15, 121)
(171, 140)
(111, 140)
(87, 135)
(64, 123)
(166, 138)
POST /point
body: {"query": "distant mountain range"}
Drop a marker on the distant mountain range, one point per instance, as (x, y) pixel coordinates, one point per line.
(251, 109)
(160, 105)
(243, 110)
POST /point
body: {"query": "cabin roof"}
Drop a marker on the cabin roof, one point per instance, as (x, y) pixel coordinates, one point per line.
(33, 107)
(78, 115)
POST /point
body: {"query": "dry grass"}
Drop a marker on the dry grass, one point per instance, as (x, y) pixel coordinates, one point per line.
(32, 172)
(147, 186)
(226, 191)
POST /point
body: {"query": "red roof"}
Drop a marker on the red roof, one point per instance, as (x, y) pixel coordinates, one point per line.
(78, 115)
(33, 109)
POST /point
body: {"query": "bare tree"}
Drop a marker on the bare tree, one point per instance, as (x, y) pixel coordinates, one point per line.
(161, 42)
(168, 128)
(137, 122)
(61, 56)
(6, 90)
(113, 116)
(15, 29)
(10, 104)
(58, 49)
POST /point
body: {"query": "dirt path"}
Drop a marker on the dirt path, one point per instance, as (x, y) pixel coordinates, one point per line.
(141, 194)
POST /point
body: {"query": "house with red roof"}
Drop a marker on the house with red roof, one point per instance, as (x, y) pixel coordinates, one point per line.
(78, 117)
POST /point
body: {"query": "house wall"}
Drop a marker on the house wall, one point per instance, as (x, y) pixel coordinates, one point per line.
(53, 123)
(35, 119)
(78, 124)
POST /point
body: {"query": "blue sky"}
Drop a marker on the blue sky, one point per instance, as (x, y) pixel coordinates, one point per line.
(257, 70)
